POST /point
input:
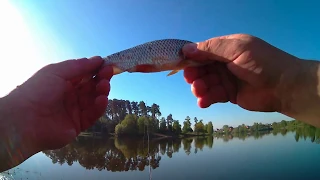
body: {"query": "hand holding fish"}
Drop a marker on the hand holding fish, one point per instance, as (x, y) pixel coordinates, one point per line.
(51, 108)
(257, 76)
(239, 68)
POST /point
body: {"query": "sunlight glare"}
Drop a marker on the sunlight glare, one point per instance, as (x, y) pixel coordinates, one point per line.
(20, 57)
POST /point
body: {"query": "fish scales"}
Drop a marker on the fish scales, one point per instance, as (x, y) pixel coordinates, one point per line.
(161, 54)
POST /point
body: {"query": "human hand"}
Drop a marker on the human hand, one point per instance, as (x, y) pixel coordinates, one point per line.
(245, 70)
(56, 106)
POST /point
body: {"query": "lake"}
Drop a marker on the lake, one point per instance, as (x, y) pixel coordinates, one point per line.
(268, 155)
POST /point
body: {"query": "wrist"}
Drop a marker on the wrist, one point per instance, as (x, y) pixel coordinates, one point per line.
(16, 136)
(299, 93)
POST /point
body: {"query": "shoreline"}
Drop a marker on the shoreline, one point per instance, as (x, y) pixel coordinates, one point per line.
(151, 135)
(158, 136)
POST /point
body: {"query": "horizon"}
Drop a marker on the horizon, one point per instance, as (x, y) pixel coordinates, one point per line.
(43, 32)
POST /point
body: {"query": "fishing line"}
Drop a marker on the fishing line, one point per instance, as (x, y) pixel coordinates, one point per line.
(150, 173)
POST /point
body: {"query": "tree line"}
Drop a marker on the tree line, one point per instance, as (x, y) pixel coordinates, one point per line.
(124, 117)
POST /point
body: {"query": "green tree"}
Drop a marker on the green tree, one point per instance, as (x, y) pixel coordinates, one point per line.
(199, 127)
(163, 125)
(236, 130)
(195, 120)
(119, 130)
(205, 129)
(275, 125)
(176, 127)
(155, 110)
(243, 128)
(141, 124)
(143, 108)
(187, 125)
(283, 123)
(152, 124)
(135, 108)
(169, 122)
(225, 128)
(210, 128)
(127, 126)
(255, 127)
(128, 105)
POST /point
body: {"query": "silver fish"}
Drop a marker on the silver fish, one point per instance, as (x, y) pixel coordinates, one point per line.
(154, 56)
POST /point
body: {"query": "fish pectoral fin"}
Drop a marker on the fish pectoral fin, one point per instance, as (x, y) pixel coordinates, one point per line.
(117, 70)
(173, 72)
(181, 65)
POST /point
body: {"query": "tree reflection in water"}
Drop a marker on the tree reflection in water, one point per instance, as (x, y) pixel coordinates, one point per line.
(132, 154)
(122, 154)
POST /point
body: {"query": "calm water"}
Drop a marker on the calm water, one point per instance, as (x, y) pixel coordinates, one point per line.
(283, 155)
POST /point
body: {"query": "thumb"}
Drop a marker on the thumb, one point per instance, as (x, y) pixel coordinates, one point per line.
(71, 69)
(215, 49)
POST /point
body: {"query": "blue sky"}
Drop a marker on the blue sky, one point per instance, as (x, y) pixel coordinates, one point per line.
(59, 30)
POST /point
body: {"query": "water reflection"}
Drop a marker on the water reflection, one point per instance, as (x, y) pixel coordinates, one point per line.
(305, 132)
(123, 154)
(136, 154)
(308, 132)
(243, 136)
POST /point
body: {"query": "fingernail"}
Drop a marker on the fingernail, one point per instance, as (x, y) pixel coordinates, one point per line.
(191, 48)
(95, 59)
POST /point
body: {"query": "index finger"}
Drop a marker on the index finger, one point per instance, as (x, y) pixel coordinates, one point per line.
(71, 69)
(193, 73)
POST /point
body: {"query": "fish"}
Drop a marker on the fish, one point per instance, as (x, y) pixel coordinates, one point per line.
(153, 56)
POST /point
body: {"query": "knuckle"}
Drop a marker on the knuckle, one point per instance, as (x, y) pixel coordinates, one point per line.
(48, 68)
(212, 44)
(76, 64)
